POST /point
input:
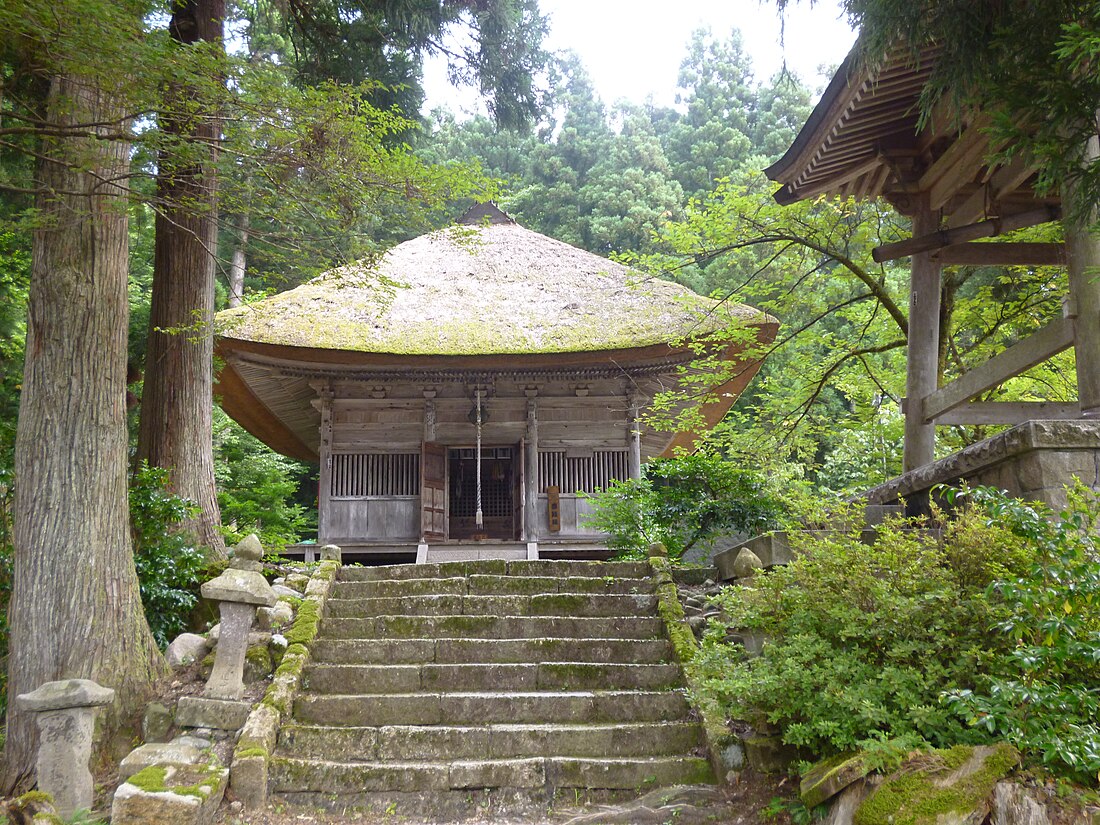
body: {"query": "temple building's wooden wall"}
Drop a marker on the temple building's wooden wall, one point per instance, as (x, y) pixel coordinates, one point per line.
(573, 436)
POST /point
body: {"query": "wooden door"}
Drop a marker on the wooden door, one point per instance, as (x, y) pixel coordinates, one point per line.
(433, 492)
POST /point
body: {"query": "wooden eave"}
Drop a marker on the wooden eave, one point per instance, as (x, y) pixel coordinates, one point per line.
(864, 140)
(268, 388)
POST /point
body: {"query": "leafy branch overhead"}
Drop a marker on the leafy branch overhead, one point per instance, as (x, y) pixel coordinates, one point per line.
(836, 363)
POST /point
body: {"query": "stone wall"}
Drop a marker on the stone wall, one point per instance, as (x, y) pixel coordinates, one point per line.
(1033, 460)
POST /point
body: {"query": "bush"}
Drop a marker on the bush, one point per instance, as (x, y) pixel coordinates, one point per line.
(170, 568)
(680, 502)
(864, 640)
(1043, 694)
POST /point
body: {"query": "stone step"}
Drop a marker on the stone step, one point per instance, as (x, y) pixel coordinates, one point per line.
(500, 567)
(290, 775)
(490, 651)
(551, 604)
(481, 585)
(344, 679)
(458, 708)
(494, 627)
(405, 743)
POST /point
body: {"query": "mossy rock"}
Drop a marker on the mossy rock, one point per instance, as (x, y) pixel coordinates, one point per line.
(831, 776)
(258, 664)
(939, 787)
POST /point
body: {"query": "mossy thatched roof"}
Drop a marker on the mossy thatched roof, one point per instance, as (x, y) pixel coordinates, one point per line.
(477, 290)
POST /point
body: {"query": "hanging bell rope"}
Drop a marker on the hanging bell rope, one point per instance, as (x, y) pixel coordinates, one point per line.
(478, 519)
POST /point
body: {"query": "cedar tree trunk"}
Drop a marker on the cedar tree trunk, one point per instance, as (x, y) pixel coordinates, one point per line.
(75, 608)
(176, 430)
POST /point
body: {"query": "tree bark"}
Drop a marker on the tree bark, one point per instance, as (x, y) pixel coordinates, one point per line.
(237, 263)
(75, 608)
(176, 429)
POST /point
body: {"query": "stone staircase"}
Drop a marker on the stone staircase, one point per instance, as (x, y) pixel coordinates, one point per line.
(456, 686)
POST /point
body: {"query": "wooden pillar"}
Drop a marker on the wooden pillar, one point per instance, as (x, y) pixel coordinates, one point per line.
(531, 470)
(1083, 259)
(429, 416)
(633, 437)
(324, 477)
(922, 376)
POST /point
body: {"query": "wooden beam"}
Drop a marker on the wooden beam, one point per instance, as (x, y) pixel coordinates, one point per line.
(1004, 181)
(1047, 342)
(951, 237)
(922, 355)
(1008, 412)
(956, 166)
(1002, 254)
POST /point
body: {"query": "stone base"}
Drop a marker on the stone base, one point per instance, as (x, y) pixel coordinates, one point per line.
(1033, 460)
(202, 712)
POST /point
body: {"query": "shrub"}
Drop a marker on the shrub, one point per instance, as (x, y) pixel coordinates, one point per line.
(170, 568)
(864, 640)
(1043, 694)
(682, 501)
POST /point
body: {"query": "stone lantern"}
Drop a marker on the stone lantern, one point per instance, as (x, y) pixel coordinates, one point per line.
(239, 590)
(65, 712)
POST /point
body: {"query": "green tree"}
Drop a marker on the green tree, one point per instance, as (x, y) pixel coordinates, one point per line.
(500, 48)
(257, 488)
(713, 136)
(681, 502)
(69, 87)
(837, 362)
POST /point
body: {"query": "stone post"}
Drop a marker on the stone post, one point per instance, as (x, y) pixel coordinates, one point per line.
(65, 712)
(239, 590)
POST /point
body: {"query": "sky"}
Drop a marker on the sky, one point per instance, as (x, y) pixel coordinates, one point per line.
(633, 48)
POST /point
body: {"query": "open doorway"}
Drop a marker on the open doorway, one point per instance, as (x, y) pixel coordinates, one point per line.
(500, 480)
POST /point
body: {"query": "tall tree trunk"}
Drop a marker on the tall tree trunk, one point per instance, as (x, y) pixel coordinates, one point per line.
(237, 263)
(176, 429)
(75, 608)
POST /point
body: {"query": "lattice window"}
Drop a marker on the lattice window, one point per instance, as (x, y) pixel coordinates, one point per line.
(357, 475)
(581, 474)
(496, 482)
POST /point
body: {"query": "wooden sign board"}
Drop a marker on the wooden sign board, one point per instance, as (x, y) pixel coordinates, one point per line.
(553, 509)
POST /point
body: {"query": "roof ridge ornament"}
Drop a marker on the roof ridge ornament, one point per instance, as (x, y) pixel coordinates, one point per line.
(485, 214)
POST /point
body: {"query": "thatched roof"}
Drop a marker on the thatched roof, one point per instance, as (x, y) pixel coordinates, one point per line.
(480, 290)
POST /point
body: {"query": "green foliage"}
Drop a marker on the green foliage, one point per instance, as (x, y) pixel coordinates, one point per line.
(170, 568)
(682, 501)
(863, 640)
(793, 808)
(828, 394)
(257, 488)
(1044, 692)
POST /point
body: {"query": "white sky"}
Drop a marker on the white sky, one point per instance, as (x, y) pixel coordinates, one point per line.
(633, 48)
